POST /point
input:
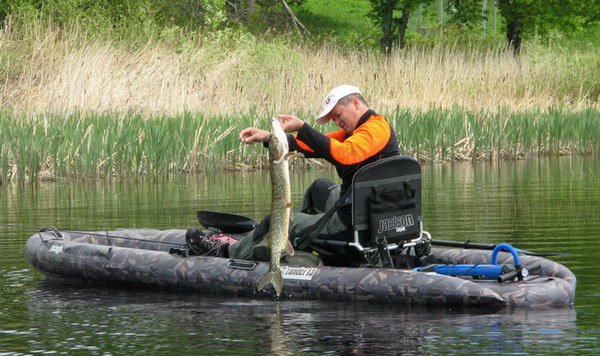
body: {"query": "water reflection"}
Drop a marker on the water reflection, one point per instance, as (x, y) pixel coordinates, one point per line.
(539, 205)
(145, 203)
(531, 202)
(112, 320)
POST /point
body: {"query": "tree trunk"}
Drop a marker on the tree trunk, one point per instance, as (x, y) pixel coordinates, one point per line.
(510, 10)
(513, 36)
(387, 25)
(297, 24)
(403, 24)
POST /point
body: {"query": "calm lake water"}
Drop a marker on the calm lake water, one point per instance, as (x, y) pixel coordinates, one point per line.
(539, 205)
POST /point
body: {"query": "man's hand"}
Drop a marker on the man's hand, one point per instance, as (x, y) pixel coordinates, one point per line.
(251, 135)
(290, 123)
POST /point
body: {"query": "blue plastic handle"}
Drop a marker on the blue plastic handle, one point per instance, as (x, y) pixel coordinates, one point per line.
(509, 248)
(491, 271)
(487, 271)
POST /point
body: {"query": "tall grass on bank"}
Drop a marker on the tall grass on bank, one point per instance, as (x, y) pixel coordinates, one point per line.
(47, 71)
(455, 134)
(103, 146)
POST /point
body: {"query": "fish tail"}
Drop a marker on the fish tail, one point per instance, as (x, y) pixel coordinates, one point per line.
(274, 277)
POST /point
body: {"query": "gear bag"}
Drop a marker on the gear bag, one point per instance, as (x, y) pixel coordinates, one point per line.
(393, 212)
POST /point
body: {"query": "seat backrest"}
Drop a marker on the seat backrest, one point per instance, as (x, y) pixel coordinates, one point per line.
(386, 200)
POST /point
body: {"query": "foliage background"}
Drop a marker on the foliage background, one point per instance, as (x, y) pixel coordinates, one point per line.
(153, 87)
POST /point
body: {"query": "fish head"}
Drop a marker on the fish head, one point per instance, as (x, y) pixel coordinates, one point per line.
(278, 145)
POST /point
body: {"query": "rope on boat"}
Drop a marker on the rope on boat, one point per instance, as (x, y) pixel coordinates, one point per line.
(58, 236)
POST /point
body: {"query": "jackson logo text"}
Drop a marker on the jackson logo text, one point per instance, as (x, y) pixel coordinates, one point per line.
(397, 223)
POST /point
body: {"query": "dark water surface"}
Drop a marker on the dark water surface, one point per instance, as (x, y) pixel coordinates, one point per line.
(539, 205)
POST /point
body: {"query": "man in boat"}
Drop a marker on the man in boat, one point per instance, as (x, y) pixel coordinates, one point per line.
(363, 137)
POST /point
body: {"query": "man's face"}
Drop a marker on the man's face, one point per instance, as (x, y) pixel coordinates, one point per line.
(344, 116)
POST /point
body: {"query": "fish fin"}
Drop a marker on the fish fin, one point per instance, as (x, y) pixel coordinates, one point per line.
(293, 154)
(266, 279)
(275, 278)
(277, 282)
(289, 248)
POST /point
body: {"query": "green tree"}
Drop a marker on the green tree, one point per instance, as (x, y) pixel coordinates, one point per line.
(465, 12)
(261, 14)
(392, 17)
(528, 17)
(238, 10)
(127, 15)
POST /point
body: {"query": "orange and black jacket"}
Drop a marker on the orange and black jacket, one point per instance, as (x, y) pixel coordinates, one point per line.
(372, 139)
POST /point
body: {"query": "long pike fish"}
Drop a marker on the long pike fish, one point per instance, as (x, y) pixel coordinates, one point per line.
(281, 206)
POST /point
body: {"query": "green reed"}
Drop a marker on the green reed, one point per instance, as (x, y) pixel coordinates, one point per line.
(456, 134)
(104, 146)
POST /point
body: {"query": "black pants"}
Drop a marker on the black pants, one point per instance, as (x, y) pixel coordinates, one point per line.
(320, 196)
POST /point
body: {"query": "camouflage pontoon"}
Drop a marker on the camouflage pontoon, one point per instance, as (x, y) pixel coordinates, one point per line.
(146, 257)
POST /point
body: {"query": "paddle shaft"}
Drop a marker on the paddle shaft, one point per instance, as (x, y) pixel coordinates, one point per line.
(245, 221)
(479, 246)
(463, 244)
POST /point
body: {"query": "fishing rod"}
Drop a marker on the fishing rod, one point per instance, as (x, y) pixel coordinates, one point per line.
(232, 223)
(480, 246)
(89, 233)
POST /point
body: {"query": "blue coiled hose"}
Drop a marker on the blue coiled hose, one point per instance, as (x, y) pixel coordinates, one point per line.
(492, 271)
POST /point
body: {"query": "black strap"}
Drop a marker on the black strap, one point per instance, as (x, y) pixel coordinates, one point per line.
(384, 253)
(303, 241)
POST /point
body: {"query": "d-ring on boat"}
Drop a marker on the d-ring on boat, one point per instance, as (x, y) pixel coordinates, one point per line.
(495, 276)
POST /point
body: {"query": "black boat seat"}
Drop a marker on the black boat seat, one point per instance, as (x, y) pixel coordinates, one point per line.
(386, 213)
(386, 210)
(386, 201)
(386, 205)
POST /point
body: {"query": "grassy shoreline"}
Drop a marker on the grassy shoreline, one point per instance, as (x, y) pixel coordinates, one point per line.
(75, 106)
(45, 70)
(121, 146)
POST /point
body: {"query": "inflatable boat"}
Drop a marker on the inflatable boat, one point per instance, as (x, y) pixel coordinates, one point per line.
(147, 257)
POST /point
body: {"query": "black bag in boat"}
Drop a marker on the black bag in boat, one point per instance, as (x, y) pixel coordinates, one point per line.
(392, 213)
(386, 201)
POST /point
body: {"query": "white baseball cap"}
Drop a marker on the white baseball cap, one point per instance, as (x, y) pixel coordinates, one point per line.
(332, 99)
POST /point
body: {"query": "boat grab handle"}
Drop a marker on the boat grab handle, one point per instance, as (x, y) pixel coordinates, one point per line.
(509, 248)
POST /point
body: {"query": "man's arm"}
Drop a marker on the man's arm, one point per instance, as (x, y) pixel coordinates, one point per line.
(367, 140)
